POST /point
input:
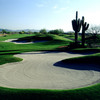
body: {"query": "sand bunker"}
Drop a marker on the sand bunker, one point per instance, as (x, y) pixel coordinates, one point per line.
(42, 70)
(22, 42)
(14, 41)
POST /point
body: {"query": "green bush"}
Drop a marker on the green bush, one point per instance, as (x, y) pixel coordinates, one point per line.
(57, 31)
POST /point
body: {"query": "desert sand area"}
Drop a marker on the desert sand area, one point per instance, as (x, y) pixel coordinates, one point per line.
(43, 70)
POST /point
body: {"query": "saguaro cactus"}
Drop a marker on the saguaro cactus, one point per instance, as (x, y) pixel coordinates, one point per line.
(76, 24)
(85, 26)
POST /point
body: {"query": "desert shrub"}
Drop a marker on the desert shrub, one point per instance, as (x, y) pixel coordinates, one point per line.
(93, 41)
(73, 45)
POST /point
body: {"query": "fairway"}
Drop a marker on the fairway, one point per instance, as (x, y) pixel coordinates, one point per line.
(43, 70)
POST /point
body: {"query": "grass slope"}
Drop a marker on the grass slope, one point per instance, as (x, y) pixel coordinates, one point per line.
(88, 93)
(54, 40)
(8, 59)
(12, 36)
(93, 59)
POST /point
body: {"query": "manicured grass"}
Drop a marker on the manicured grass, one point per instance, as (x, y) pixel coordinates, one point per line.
(51, 44)
(8, 59)
(6, 56)
(12, 36)
(88, 93)
(86, 50)
(72, 37)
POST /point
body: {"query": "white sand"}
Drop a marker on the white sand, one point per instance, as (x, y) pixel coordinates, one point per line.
(40, 70)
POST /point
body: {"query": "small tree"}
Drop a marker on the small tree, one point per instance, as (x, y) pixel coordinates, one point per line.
(94, 30)
(4, 31)
(43, 31)
(22, 32)
(93, 37)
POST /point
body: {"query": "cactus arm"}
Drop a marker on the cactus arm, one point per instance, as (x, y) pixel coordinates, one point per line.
(76, 15)
(74, 25)
(87, 26)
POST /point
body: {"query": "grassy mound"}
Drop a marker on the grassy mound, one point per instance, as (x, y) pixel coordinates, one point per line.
(42, 37)
(90, 59)
(35, 38)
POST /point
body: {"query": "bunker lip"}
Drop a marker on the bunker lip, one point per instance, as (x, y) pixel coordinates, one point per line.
(40, 70)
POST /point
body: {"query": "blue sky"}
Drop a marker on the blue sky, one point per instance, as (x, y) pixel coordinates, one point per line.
(48, 14)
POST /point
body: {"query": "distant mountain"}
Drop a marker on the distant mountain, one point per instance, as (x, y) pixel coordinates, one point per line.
(6, 30)
(26, 30)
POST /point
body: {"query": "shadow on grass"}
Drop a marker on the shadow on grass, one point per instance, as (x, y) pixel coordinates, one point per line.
(31, 51)
(79, 66)
(9, 52)
(28, 42)
(57, 51)
(42, 52)
(85, 50)
(83, 53)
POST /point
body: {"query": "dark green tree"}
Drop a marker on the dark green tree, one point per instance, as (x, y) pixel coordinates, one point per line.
(43, 31)
(4, 31)
(76, 24)
(85, 26)
(22, 32)
(57, 31)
